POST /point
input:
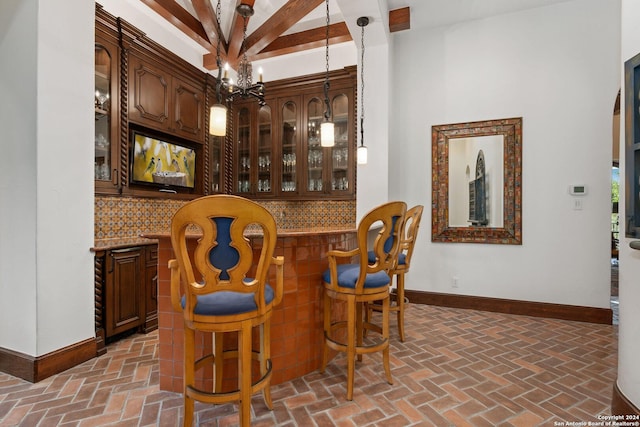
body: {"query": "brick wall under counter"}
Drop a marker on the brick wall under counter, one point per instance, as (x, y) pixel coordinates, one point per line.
(126, 217)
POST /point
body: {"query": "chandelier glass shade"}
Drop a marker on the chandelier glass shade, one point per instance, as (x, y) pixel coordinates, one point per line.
(218, 120)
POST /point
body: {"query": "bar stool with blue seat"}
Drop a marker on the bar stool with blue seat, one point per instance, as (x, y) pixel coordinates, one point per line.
(221, 287)
(358, 282)
(408, 238)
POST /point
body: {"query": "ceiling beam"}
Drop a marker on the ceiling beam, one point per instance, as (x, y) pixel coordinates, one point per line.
(286, 17)
(236, 35)
(304, 40)
(399, 19)
(209, 20)
(183, 20)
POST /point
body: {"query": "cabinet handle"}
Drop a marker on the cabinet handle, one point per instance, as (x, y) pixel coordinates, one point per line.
(114, 177)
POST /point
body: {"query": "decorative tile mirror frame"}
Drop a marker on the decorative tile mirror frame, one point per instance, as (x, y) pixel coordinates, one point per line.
(509, 230)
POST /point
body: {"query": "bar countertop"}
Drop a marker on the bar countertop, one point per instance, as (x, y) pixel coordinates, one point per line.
(284, 232)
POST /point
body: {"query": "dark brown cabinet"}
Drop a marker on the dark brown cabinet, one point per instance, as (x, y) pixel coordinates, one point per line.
(163, 101)
(276, 148)
(126, 281)
(329, 171)
(124, 290)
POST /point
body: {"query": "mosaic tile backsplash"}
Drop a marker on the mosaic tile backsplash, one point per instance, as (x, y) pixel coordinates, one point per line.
(125, 217)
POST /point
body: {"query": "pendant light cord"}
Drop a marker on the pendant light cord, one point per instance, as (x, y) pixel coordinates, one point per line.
(218, 60)
(362, 90)
(327, 113)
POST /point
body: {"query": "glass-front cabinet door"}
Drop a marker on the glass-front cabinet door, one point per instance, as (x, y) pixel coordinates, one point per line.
(314, 182)
(341, 152)
(243, 154)
(106, 111)
(216, 148)
(329, 171)
(289, 114)
(265, 151)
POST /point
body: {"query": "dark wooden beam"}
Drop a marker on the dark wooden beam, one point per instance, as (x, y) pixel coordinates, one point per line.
(237, 34)
(183, 20)
(304, 40)
(399, 19)
(286, 17)
(208, 19)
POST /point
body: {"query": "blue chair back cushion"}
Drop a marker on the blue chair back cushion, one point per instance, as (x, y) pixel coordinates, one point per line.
(225, 303)
(402, 258)
(348, 276)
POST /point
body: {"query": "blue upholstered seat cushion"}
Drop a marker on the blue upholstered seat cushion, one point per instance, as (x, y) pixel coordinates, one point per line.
(348, 276)
(402, 258)
(225, 303)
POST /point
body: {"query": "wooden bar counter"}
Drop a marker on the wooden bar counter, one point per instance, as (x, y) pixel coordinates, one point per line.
(296, 325)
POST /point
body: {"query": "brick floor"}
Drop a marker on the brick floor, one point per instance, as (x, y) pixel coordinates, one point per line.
(455, 368)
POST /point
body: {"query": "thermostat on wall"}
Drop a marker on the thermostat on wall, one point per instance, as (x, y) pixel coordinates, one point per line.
(578, 190)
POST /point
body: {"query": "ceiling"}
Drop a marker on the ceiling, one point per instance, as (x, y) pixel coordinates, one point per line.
(281, 27)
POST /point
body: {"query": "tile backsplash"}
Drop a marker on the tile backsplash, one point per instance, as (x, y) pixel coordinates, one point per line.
(125, 217)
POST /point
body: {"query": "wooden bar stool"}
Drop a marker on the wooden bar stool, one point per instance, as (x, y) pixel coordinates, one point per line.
(408, 240)
(359, 283)
(219, 289)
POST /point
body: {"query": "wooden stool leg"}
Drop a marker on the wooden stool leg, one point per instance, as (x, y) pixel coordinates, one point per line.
(218, 360)
(189, 374)
(385, 336)
(400, 304)
(244, 373)
(327, 331)
(360, 331)
(351, 345)
(265, 356)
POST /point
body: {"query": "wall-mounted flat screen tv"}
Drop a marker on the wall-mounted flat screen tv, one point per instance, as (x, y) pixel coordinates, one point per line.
(156, 161)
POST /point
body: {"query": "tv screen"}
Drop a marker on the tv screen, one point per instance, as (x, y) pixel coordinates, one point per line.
(162, 163)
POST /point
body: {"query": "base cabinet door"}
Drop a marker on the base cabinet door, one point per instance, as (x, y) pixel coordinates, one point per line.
(151, 289)
(125, 307)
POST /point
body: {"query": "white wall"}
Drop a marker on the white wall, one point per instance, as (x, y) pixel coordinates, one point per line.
(46, 222)
(629, 291)
(558, 68)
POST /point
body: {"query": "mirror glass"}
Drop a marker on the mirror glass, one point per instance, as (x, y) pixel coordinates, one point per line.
(476, 182)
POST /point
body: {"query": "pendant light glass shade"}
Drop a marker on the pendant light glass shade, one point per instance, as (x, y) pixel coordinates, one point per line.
(362, 155)
(327, 134)
(218, 120)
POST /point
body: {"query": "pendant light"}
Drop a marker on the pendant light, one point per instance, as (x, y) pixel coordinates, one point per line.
(327, 138)
(218, 112)
(361, 154)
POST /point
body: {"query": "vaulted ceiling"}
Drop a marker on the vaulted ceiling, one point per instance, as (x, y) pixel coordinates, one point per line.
(278, 27)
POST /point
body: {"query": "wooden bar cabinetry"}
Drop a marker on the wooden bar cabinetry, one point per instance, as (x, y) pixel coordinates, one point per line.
(126, 279)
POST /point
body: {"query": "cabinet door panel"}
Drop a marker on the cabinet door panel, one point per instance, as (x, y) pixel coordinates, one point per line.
(125, 291)
(149, 94)
(151, 289)
(188, 108)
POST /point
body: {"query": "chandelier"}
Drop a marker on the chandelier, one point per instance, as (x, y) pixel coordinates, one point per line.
(244, 88)
(225, 89)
